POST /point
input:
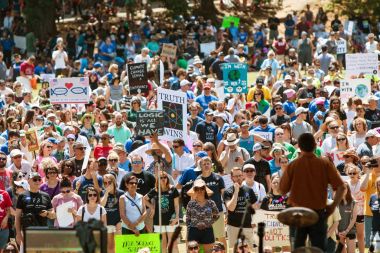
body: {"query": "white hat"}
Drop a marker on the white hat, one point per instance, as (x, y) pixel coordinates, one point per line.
(184, 83)
(197, 61)
(372, 133)
(23, 183)
(257, 147)
(231, 139)
(16, 152)
(221, 115)
(373, 97)
(300, 110)
(288, 77)
(210, 80)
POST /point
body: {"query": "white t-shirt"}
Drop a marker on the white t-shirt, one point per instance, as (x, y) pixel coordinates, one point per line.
(59, 59)
(88, 215)
(371, 47)
(258, 189)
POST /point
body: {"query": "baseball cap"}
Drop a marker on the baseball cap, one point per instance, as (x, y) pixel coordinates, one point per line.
(52, 140)
(34, 174)
(16, 152)
(259, 80)
(70, 136)
(373, 97)
(98, 65)
(288, 77)
(119, 147)
(372, 133)
(184, 83)
(257, 147)
(209, 112)
(201, 154)
(23, 183)
(300, 110)
(249, 166)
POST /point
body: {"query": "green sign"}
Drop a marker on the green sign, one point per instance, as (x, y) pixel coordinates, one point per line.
(228, 19)
(132, 243)
(235, 77)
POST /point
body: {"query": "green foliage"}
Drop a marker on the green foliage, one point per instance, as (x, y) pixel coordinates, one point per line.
(40, 17)
(176, 7)
(354, 8)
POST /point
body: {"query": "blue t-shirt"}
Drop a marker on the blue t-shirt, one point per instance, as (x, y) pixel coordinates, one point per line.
(243, 37)
(247, 143)
(108, 49)
(125, 165)
(205, 100)
(84, 184)
(189, 175)
(289, 108)
(219, 135)
(272, 166)
(313, 107)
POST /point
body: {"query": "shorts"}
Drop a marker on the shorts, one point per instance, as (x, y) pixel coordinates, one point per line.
(205, 236)
(164, 229)
(219, 227)
(360, 219)
(4, 234)
(348, 236)
(111, 229)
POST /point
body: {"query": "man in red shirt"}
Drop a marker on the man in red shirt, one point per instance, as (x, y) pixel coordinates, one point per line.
(5, 204)
(27, 67)
(5, 174)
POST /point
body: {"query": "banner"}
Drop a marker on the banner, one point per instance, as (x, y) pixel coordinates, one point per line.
(132, 243)
(206, 48)
(169, 50)
(174, 104)
(32, 140)
(149, 122)
(228, 19)
(276, 233)
(20, 42)
(341, 46)
(361, 64)
(72, 90)
(137, 78)
(235, 77)
(265, 135)
(355, 87)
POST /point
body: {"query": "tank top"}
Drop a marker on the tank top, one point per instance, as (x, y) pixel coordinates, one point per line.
(132, 212)
(247, 143)
(116, 93)
(346, 211)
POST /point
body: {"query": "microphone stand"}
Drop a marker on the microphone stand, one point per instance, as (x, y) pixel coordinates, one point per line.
(240, 235)
(261, 233)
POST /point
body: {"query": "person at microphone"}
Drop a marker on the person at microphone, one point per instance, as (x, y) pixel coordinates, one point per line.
(240, 200)
(307, 179)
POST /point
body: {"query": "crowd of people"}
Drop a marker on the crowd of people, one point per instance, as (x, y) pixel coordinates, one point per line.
(239, 152)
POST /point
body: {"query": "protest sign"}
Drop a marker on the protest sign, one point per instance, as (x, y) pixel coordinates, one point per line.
(227, 181)
(227, 20)
(174, 104)
(137, 78)
(206, 48)
(32, 140)
(72, 90)
(276, 233)
(235, 77)
(20, 42)
(354, 87)
(265, 135)
(357, 64)
(341, 46)
(26, 84)
(169, 50)
(133, 243)
(350, 27)
(47, 77)
(149, 122)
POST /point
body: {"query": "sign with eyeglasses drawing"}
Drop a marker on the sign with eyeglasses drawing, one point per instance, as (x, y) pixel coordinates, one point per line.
(73, 90)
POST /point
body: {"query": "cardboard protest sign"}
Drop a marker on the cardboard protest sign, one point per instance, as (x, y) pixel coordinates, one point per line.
(32, 140)
(276, 233)
(174, 104)
(149, 122)
(169, 50)
(132, 243)
(228, 19)
(235, 77)
(357, 64)
(137, 78)
(355, 87)
(341, 46)
(72, 90)
(206, 48)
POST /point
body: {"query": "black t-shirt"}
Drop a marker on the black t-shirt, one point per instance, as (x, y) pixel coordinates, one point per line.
(273, 23)
(262, 169)
(216, 184)
(207, 132)
(373, 116)
(77, 166)
(273, 202)
(145, 182)
(216, 68)
(207, 62)
(167, 205)
(245, 193)
(279, 120)
(31, 204)
(112, 207)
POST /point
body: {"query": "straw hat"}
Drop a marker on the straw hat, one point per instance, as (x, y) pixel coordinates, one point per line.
(199, 183)
(231, 139)
(153, 147)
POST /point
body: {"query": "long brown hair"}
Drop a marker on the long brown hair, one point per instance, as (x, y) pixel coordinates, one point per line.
(348, 196)
(163, 174)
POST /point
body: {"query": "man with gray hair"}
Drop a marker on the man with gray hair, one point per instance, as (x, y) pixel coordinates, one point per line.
(143, 57)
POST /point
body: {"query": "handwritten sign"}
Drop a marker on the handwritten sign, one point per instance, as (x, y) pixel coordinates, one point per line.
(360, 87)
(265, 135)
(174, 103)
(72, 90)
(227, 180)
(357, 64)
(149, 122)
(341, 46)
(132, 243)
(276, 233)
(235, 77)
(169, 50)
(206, 48)
(32, 140)
(137, 78)
(227, 20)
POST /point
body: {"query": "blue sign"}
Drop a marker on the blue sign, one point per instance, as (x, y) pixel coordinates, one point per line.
(235, 77)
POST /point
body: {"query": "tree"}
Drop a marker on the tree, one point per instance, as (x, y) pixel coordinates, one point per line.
(207, 9)
(355, 8)
(40, 16)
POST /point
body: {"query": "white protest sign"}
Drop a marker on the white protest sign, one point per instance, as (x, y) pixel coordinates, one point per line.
(206, 48)
(276, 233)
(64, 218)
(47, 77)
(341, 46)
(350, 27)
(73, 90)
(174, 105)
(25, 83)
(355, 87)
(357, 64)
(169, 50)
(20, 42)
(265, 135)
(227, 181)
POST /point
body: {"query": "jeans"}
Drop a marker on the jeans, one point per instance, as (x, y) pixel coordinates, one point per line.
(317, 233)
(367, 230)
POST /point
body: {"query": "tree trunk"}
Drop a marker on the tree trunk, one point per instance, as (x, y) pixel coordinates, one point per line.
(207, 9)
(40, 16)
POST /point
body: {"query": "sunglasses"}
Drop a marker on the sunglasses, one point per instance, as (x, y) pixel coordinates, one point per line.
(163, 177)
(3, 159)
(199, 189)
(136, 162)
(334, 128)
(81, 148)
(106, 182)
(17, 157)
(67, 191)
(37, 179)
(352, 174)
(197, 145)
(132, 183)
(69, 166)
(176, 146)
(249, 171)
(49, 146)
(92, 195)
(70, 139)
(278, 108)
(193, 248)
(341, 139)
(113, 160)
